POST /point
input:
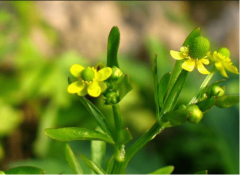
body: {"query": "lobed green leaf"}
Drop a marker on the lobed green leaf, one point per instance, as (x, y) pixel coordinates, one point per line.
(164, 170)
(112, 48)
(25, 170)
(75, 133)
(72, 160)
(93, 165)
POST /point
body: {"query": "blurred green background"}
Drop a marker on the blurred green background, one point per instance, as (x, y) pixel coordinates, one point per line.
(39, 41)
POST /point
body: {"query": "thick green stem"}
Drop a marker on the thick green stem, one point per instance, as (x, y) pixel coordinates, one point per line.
(139, 144)
(202, 87)
(119, 149)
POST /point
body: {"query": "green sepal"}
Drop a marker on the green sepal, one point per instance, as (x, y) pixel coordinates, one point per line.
(162, 88)
(164, 170)
(112, 48)
(202, 172)
(227, 101)
(99, 117)
(97, 169)
(125, 136)
(72, 160)
(175, 118)
(76, 133)
(25, 170)
(155, 81)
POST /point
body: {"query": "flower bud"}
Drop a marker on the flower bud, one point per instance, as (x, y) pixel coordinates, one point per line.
(203, 97)
(196, 114)
(116, 73)
(112, 98)
(224, 51)
(216, 90)
(199, 47)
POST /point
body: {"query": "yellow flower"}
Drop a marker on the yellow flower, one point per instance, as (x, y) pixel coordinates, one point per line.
(190, 62)
(222, 63)
(90, 81)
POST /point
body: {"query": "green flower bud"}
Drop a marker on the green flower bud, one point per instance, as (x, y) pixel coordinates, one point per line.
(116, 73)
(87, 74)
(112, 98)
(196, 114)
(203, 97)
(199, 47)
(216, 90)
(1, 172)
(224, 51)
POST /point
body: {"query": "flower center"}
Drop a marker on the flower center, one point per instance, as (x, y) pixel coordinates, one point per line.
(87, 74)
(199, 47)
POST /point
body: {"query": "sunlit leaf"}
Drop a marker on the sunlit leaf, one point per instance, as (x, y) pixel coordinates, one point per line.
(99, 117)
(72, 160)
(164, 170)
(75, 133)
(162, 88)
(93, 165)
(25, 170)
(113, 45)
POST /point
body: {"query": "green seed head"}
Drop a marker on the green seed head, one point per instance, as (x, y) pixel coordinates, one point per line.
(87, 74)
(224, 51)
(196, 114)
(112, 98)
(216, 90)
(199, 47)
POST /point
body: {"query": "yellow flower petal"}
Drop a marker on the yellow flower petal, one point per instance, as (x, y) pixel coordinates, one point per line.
(104, 74)
(189, 65)
(76, 70)
(201, 68)
(75, 87)
(231, 68)
(177, 55)
(102, 85)
(94, 89)
(83, 92)
(221, 69)
(204, 61)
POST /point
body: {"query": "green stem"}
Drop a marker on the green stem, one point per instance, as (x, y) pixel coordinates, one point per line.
(119, 149)
(202, 87)
(140, 143)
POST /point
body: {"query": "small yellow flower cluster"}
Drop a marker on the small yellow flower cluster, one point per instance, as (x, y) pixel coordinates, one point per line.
(90, 81)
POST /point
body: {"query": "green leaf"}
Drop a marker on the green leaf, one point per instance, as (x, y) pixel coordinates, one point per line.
(177, 117)
(195, 33)
(110, 164)
(207, 104)
(125, 136)
(125, 86)
(75, 133)
(98, 149)
(25, 170)
(93, 165)
(227, 101)
(164, 170)
(113, 45)
(162, 88)
(174, 94)
(99, 117)
(72, 160)
(202, 172)
(155, 81)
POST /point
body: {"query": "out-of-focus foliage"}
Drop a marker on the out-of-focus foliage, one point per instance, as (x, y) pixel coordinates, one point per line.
(33, 97)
